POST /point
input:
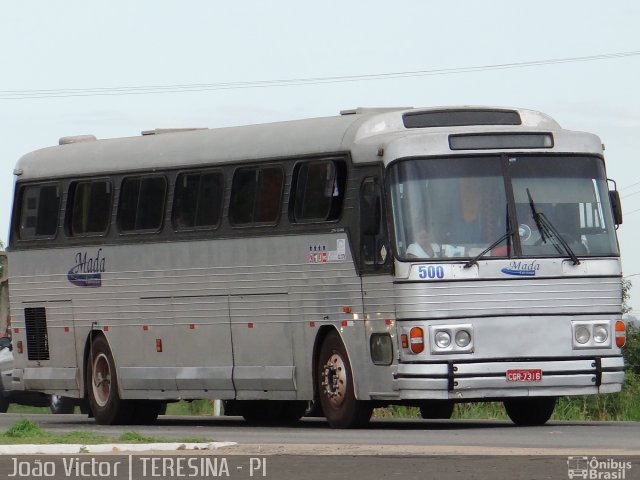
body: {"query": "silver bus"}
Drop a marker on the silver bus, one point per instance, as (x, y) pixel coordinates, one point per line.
(418, 257)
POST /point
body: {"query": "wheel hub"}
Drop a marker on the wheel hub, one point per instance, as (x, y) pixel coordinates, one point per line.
(101, 383)
(334, 380)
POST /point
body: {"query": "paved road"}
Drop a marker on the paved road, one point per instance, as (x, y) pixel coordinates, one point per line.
(392, 437)
(447, 450)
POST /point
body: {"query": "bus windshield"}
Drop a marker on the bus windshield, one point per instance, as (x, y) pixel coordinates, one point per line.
(458, 207)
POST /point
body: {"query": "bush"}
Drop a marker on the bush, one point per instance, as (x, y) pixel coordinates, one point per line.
(631, 351)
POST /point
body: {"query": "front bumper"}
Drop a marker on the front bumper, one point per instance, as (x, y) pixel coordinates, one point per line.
(458, 380)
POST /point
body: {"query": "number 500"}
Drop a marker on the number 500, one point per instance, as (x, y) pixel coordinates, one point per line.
(431, 271)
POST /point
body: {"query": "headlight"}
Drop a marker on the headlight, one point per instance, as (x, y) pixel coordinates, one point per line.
(582, 335)
(443, 339)
(600, 333)
(463, 338)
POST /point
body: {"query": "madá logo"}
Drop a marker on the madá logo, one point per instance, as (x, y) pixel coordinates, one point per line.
(522, 269)
(87, 272)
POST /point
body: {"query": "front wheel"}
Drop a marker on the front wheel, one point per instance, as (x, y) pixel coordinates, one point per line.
(335, 386)
(530, 411)
(102, 387)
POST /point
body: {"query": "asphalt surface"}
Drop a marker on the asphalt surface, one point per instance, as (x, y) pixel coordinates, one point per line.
(456, 449)
(381, 437)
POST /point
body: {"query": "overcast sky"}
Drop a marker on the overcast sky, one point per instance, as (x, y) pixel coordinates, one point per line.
(49, 49)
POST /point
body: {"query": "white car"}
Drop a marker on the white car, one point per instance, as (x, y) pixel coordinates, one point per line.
(56, 403)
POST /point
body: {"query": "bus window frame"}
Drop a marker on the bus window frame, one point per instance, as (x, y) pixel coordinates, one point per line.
(148, 231)
(259, 167)
(172, 212)
(291, 203)
(69, 210)
(20, 192)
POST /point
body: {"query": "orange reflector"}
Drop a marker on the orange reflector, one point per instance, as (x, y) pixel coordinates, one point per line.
(346, 309)
(388, 322)
(416, 339)
(158, 345)
(405, 340)
(621, 333)
(19, 346)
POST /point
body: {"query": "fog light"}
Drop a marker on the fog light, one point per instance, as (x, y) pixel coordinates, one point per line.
(582, 335)
(463, 338)
(600, 333)
(443, 339)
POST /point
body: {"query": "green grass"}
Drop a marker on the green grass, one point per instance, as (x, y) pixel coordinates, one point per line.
(27, 431)
(25, 410)
(195, 407)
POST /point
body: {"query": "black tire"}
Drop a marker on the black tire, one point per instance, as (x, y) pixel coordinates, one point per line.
(60, 405)
(436, 409)
(530, 411)
(145, 412)
(335, 386)
(102, 387)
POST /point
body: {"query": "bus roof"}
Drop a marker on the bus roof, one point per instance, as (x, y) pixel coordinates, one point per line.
(369, 134)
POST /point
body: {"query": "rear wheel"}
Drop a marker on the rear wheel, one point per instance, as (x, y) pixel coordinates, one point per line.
(530, 411)
(335, 386)
(102, 387)
(436, 409)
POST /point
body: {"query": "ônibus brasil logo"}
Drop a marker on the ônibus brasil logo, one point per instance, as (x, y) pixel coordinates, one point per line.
(596, 469)
(87, 271)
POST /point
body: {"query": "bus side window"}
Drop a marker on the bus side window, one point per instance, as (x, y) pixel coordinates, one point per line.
(142, 202)
(256, 195)
(39, 211)
(372, 242)
(317, 191)
(197, 202)
(90, 213)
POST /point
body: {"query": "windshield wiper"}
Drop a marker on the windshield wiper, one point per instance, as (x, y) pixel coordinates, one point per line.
(548, 230)
(502, 238)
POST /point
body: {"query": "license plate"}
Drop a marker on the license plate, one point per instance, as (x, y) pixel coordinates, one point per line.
(531, 375)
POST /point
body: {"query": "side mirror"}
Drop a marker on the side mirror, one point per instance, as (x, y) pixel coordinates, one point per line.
(4, 267)
(616, 206)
